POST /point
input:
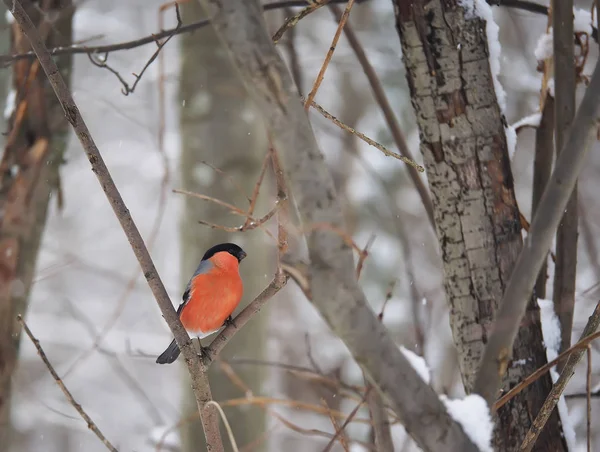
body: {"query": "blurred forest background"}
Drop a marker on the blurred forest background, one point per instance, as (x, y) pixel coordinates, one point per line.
(91, 309)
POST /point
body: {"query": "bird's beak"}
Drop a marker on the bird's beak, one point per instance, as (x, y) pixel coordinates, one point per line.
(242, 255)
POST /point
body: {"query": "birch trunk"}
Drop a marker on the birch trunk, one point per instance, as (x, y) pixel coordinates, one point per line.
(477, 219)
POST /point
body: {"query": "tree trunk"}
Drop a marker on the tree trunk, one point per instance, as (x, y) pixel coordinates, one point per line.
(477, 219)
(219, 126)
(33, 152)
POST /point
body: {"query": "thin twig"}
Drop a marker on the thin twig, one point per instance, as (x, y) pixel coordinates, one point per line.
(387, 111)
(90, 423)
(588, 389)
(226, 423)
(338, 431)
(79, 49)
(334, 41)
(347, 421)
(127, 89)
(537, 244)
(291, 22)
(365, 138)
(200, 382)
(256, 190)
(362, 256)
(315, 432)
(542, 370)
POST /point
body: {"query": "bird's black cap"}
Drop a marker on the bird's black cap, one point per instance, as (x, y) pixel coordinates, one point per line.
(230, 248)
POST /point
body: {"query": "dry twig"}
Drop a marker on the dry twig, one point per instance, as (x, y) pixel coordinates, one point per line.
(291, 22)
(90, 423)
(387, 111)
(567, 372)
(321, 75)
(366, 139)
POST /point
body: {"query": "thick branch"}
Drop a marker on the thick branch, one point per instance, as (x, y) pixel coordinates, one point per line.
(335, 291)
(542, 169)
(199, 378)
(564, 111)
(538, 242)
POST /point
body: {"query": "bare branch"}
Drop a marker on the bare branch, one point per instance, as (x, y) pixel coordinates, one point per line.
(292, 21)
(564, 111)
(335, 291)
(542, 169)
(199, 378)
(387, 111)
(90, 423)
(560, 385)
(542, 370)
(127, 90)
(588, 389)
(339, 433)
(366, 139)
(78, 49)
(538, 242)
(325, 65)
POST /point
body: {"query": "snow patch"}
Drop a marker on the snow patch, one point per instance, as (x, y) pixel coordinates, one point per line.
(532, 120)
(551, 87)
(550, 328)
(473, 414)
(582, 21)
(551, 334)
(418, 363)
(544, 47)
(167, 436)
(9, 107)
(511, 140)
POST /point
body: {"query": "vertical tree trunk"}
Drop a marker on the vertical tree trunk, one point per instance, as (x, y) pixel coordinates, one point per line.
(5, 74)
(219, 126)
(33, 151)
(477, 218)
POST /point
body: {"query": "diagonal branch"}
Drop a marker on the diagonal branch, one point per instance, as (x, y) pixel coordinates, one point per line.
(78, 49)
(198, 375)
(387, 111)
(560, 385)
(331, 274)
(537, 244)
(90, 423)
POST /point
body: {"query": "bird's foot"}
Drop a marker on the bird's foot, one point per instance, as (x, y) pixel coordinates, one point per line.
(203, 350)
(229, 321)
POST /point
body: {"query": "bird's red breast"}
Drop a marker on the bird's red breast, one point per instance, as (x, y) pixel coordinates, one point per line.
(214, 295)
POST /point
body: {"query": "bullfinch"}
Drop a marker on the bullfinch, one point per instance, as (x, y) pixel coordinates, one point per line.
(211, 296)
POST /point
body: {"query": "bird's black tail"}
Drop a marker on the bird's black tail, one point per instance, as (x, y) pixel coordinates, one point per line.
(170, 354)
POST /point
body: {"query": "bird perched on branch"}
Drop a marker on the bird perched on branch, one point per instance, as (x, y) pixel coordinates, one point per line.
(211, 296)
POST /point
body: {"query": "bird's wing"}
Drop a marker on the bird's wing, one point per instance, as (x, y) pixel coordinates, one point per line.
(204, 267)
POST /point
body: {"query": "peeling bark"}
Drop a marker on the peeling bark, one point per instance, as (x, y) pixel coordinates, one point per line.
(476, 214)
